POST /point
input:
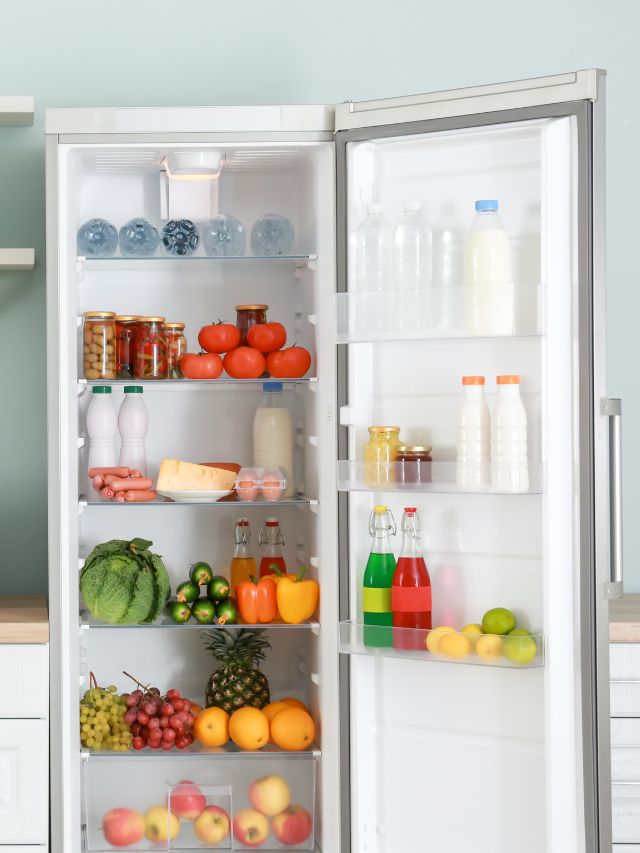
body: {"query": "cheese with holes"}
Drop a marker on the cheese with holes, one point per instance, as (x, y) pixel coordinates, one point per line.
(176, 476)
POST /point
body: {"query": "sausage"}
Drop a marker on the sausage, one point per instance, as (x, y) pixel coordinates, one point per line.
(135, 473)
(119, 472)
(123, 485)
(139, 495)
(109, 478)
(98, 482)
(107, 493)
(119, 498)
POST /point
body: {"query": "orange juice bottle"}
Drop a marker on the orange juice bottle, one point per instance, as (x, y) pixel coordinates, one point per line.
(242, 565)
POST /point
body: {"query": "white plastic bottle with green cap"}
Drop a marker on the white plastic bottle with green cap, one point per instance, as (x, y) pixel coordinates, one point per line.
(101, 429)
(133, 423)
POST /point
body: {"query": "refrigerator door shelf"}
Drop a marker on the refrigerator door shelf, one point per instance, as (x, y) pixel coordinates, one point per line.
(356, 638)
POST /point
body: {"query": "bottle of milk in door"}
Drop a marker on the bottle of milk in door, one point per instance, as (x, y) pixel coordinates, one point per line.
(474, 428)
(488, 297)
(273, 434)
(509, 458)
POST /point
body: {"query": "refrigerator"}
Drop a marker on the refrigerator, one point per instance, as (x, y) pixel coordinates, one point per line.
(413, 751)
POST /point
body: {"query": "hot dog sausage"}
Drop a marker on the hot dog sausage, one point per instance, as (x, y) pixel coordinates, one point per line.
(139, 495)
(137, 483)
(119, 472)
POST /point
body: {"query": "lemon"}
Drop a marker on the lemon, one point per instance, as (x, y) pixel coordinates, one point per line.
(498, 621)
(434, 636)
(473, 631)
(455, 645)
(520, 647)
(489, 647)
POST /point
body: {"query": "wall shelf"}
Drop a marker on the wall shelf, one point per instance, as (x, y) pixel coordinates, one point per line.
(17, 259)
(16, 110)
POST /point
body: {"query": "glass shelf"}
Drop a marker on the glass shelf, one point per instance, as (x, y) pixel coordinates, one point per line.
(195, 751)
(436, 313)
(356, 476)
(355, 638)
(166, 262)
(225, 383)
(230, 500)
(89, 623)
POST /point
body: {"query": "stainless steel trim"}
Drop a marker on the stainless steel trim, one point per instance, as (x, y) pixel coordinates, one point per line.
(612, 408)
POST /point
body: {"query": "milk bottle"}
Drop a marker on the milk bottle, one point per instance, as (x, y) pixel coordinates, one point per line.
(474, 426)
(273, 434)
(101, 429)
(488, 278)
(509, 458)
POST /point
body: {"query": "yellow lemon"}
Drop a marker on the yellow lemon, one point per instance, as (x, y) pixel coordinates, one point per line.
(489, 647)
(474, 632)
(455, 645)
(435, 635)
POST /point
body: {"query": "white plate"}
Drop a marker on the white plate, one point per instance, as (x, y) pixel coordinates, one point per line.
(197, 496)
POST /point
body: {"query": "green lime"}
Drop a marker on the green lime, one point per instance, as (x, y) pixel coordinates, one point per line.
(218, 589)
(227, 612)
(498, 621)
(188, 591)
(179, 611)
(203, 611)
(201, 573)
(519, 647)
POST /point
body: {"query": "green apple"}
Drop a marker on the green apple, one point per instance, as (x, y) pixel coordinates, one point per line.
(520, 647)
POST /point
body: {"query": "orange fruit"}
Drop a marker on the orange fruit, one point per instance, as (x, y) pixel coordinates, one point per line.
(293, 729)
(274, 708)
(249, 728)
(211, 727)
(295, 703)
(195, 708)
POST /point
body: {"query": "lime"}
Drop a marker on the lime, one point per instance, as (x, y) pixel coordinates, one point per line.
(218, 589)
(227, 612)
(498, 621)
(188, 591)
(201, 573)
(179, 611)
(520, 647)
(203, 611)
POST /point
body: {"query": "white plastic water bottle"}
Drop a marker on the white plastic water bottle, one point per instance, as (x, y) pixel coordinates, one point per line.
(101, 429)
(374, 251)
(474, 425)
(488, 277)
(133, 423)
(509, 458)
(411, 248)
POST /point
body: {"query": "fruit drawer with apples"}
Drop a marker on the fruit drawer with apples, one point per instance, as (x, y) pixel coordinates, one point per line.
(151, 804)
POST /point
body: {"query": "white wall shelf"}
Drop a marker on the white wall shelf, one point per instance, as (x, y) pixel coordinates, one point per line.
(16, 259)
(16, 110)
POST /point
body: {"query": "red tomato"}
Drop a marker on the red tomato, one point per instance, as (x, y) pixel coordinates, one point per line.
(290, 363)
(218, 337)
(200, 365)
(267, 337)
(244, 363)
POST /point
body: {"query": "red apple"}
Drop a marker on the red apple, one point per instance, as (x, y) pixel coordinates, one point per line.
(187, 800)
(250, 827)
(212, 825)
(122, 827)
(293, 825)
(270, 795)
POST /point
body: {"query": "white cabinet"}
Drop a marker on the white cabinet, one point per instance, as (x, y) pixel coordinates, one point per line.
(624, 664)
(24, 781)
(25, 677)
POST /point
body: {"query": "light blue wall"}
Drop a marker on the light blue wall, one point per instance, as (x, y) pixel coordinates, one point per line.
(71, 53)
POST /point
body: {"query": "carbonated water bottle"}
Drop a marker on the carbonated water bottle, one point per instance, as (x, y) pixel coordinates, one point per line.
(97, 238)
(138, 239)
(374, 251)
(180, 237)
(272, 234)
(223, 236)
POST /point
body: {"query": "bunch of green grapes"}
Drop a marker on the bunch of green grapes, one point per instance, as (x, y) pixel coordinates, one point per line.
(102, 724)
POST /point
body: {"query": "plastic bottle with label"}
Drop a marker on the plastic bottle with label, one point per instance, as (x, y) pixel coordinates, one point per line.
(377, 580)
(411, 589)
(273, 434)
(101, 429)
(133, 423)
(509, 454)
(474, 435)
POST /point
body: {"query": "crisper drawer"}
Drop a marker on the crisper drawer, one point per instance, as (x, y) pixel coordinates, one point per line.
(234, 801)
(24, 782)
(25, 681)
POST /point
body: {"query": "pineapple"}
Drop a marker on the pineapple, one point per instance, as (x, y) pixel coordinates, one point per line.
(238, 682)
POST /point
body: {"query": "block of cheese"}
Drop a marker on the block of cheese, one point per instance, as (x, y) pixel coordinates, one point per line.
(176, 476)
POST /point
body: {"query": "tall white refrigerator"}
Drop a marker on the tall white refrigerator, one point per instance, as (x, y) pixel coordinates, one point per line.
(414, 751)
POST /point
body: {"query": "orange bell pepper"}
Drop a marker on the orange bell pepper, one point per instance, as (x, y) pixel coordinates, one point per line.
(297, 598)
(257, 600)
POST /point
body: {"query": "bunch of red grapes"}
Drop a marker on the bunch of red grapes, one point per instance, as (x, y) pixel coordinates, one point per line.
(159, 722)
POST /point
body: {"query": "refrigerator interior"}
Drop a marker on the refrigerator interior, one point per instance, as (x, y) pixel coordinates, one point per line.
(198, 423)
(447, 756)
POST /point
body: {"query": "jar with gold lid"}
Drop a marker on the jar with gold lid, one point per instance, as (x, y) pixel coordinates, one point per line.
(150, 351)
(380, 454)
(125, 332)
(248, 316)
(98, 345)
(176, 343)
(413, 464)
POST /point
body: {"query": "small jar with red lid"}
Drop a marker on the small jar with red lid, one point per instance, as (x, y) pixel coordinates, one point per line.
(125, 333)
(150, 349)
(176, 348)
(248, 316)
(413, 464)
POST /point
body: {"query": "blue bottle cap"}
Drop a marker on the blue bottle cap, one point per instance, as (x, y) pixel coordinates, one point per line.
(487, 204)
(272, 386)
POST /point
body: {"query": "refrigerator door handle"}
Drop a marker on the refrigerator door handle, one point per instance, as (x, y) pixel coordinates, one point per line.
(612, 408)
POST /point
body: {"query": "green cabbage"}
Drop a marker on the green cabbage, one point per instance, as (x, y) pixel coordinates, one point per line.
(124, 583)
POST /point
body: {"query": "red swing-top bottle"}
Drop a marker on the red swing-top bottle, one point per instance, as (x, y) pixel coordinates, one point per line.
(411, 589)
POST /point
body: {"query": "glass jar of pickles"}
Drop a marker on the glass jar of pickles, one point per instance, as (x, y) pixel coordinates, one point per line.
(176, 348)
(248, 316)
(125, 332)
(380, 454)
(149, 349)
(98, 345)
(413, 463)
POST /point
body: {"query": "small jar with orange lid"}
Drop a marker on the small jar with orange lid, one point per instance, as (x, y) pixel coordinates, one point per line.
(380, 454)
(150, 350)
(176, 347)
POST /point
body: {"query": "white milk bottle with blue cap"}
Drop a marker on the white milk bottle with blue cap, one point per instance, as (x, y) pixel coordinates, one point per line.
(488, 277)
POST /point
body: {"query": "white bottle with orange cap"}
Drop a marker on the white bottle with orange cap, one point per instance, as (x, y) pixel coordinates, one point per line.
(509, 456)
(474, 428)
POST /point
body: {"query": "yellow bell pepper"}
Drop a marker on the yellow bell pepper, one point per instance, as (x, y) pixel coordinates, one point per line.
(297, 598)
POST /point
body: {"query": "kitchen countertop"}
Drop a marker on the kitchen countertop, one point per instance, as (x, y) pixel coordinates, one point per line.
(624, 619)
(24, 619)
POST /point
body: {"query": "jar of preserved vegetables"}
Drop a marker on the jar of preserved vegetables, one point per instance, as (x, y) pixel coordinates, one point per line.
(413, 463)
(150, 351)
(247, 317)
(125, 332)
(98, 345)
(380, 453)
(176, 348)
